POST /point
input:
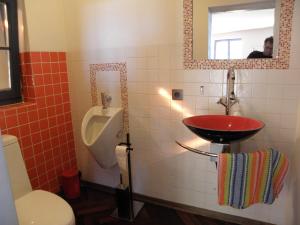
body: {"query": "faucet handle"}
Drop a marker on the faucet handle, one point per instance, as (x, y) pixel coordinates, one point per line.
(222, 101)
(234, 101)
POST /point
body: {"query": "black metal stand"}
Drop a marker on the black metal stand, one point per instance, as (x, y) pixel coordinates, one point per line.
(134, 206)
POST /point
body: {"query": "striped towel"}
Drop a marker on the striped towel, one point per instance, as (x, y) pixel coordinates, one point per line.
(248, 178)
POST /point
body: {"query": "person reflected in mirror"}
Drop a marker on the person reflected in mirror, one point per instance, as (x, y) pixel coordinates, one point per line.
(267, 53)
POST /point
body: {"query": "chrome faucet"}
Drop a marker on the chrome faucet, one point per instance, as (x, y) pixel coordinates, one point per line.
(106, 100)
(230, 99)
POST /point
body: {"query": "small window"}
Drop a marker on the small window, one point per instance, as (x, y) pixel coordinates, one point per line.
(10, 90)
(228, 49)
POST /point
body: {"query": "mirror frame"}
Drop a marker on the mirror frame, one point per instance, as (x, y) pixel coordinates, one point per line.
(282, 61)
(111, 67)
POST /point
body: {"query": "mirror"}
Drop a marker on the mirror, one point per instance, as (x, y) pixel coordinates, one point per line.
(4, 50)
(223, 33)
(109, 83)
(236, 29)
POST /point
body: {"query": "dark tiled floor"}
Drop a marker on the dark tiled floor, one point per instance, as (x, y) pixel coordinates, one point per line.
(95, 208)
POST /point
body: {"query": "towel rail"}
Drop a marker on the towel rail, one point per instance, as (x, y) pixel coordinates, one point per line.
(197, 150)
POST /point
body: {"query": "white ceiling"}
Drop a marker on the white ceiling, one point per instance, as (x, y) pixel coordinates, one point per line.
(226, 22)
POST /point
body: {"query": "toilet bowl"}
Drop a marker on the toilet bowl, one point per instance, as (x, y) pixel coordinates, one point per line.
(44, 208)
(101, 132)
(33, 207)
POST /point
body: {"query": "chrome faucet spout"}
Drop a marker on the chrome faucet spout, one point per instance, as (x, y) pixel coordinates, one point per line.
(230, 99)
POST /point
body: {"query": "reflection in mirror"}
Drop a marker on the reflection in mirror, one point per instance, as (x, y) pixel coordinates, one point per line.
(235, 29)
(4, 50)
(5, 82)
(3, 26)
(108, 82)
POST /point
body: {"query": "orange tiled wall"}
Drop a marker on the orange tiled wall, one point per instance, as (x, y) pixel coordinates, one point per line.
(43, 122)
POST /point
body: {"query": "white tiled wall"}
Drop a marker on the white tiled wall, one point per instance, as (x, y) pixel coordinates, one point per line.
(161, 168)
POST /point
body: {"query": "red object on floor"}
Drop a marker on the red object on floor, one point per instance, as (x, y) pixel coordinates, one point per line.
(70, 183)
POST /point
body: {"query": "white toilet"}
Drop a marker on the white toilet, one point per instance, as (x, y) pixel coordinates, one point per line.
(33, 207)
(101, 132)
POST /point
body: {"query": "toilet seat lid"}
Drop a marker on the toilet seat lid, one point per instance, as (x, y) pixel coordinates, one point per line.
(43, 208)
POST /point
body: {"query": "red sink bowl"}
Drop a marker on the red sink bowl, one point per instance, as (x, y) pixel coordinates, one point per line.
(223, 129)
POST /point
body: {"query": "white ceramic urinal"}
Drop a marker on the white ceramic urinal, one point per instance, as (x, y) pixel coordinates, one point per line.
(101, 132)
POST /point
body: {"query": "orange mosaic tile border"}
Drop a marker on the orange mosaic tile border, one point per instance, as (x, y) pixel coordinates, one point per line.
(281, 62)
(122, 68)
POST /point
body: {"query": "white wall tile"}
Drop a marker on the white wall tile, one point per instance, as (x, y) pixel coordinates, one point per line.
(258, 76)
(202, 103)
(289, 106)
(275, 76)
(137, 87)
(243, 90)
(242, 77)
(192, 76)
(213, 90)
(164, 75)
(272, 120)
(138, 100)
(295, 45)
(287, 135)
(291, 77)
(192, 89)
(189, 103)
(274, 106)
(291, 91)
(156, 100)
(288, 121)
(258, 105)
(259, 90)
(274, 91)
(217, 76)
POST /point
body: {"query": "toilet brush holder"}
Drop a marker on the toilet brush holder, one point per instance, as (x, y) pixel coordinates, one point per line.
(127, 209)
(123, 202)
